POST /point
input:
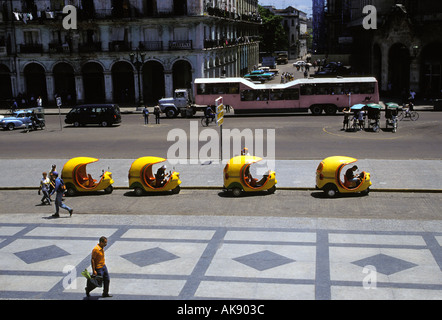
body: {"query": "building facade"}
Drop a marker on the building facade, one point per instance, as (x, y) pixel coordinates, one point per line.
(123, 51)
(294, 22)
(403, 50)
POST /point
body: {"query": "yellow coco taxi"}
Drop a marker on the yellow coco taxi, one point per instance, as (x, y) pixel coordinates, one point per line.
(332, 179)
(77, 180)
(142, 179)
(237, 177)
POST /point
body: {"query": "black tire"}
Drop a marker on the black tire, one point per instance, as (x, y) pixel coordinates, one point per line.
(236, 192)
(109, 190)
(176, 190)
(272, 190)
(205, 122)
(171, 113)
(316, 110)
(71, 191)
(331, 191)
(414, 116)
(10, 126)
(330, 109)
(138, 191)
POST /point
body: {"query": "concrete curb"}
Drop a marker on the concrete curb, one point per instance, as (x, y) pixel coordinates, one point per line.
(385, 190)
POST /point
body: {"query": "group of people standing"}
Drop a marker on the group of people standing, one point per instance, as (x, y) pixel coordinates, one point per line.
(156, 112)
(50, 184)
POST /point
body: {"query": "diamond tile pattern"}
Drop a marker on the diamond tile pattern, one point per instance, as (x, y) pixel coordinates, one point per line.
(263, 260)
(385, 264)
(150, 256)
(41, 254)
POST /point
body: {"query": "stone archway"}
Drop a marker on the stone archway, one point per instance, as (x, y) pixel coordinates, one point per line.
(431, 70)
(5, 83)
(153, 81)
(123, 82)
(35, 79)
(93, 83)
(182, 75)
(399, 68)
(64, 83)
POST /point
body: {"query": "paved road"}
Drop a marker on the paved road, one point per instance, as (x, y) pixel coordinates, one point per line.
(296, 137)
(284, 203)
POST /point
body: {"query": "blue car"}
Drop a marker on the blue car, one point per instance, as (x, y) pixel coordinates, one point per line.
(28, 118)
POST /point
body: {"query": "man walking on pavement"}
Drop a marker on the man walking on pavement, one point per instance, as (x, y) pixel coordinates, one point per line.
(99, 268)
(59, 188)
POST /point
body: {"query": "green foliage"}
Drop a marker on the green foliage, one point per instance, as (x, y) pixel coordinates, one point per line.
(273, 37)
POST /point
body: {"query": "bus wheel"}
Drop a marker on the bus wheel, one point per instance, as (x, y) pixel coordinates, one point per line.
(330, 110)
(316, 110)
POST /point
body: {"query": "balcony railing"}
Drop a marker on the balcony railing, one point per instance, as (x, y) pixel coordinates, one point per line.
(56, 47)
(89, 47)
(120, 46)
(151, 45)
(31, 48)
(180, 45)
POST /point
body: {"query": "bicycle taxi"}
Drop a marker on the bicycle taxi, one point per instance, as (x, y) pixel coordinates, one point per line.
(374, 116)
(391, 115)
(238, 179)
(77, 180)
(142, 179)
(358, 119)
(331, 178)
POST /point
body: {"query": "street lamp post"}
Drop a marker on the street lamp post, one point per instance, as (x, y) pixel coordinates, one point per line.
(137, 59)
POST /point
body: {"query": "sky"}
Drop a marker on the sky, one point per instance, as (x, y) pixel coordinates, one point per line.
(303, 5)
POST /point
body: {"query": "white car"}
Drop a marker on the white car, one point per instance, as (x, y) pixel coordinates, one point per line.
(299, 63)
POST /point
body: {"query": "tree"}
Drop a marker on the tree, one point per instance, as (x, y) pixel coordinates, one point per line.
(272, 34)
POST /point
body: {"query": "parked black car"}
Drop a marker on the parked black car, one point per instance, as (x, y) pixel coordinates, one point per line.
(102, 114)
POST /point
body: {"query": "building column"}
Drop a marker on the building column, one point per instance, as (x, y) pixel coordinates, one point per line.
(384, 67)
(79, 88)
(168, 83)
(108, 86)
(50, 88)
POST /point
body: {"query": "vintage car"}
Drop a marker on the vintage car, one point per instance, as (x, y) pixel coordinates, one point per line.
(24, 119)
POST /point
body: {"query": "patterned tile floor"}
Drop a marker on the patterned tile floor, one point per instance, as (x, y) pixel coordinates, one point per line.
(269, 259)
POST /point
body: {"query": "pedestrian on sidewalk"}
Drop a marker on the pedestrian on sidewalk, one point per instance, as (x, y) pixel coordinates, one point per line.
(99, 268)
(60, 188)
(156, 111)
(146, 115)
(44, 188)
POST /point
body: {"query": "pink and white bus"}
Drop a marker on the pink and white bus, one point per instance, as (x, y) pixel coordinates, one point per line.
(317, 95)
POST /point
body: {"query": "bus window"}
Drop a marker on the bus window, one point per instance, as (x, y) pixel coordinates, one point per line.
(291, 94)
(201, 88)
(233, 88)
(307, 90)
(254, 95)
(276, 95)
(217, 88)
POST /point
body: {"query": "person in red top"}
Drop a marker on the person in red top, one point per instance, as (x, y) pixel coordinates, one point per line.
(99, 268)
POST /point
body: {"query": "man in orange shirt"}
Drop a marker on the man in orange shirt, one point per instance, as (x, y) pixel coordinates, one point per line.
(99, 268)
